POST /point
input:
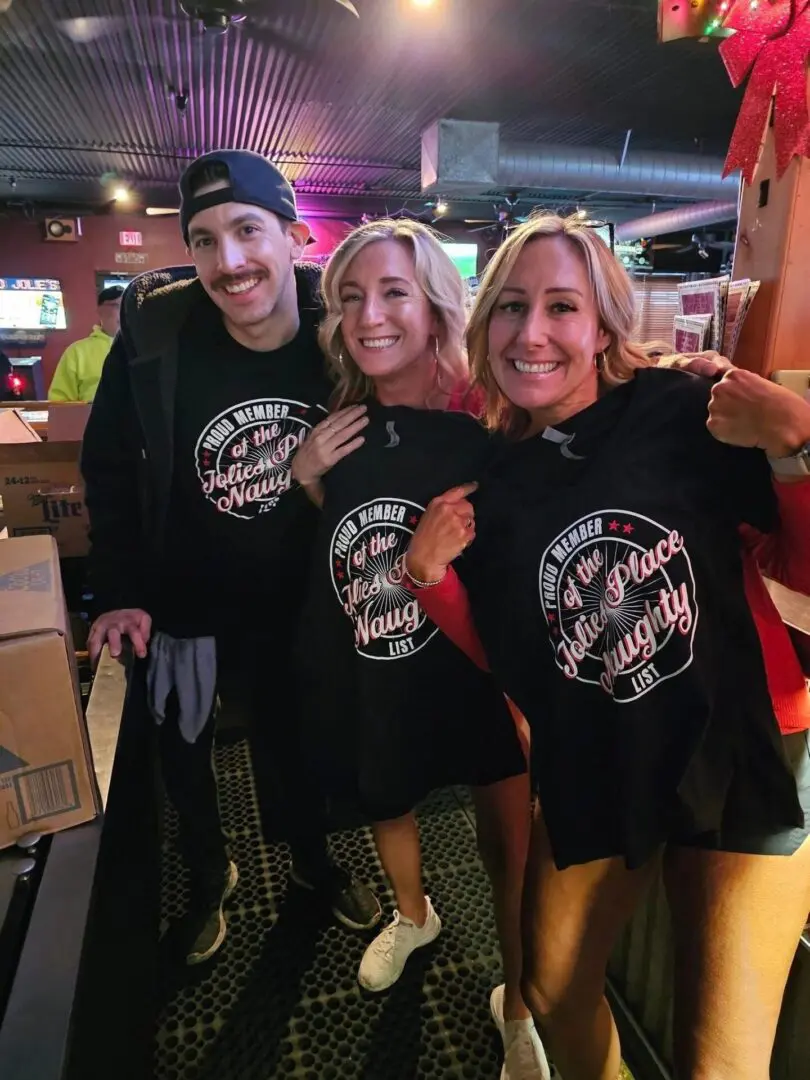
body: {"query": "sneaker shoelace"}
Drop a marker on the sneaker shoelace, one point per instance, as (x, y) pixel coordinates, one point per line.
(387, 940)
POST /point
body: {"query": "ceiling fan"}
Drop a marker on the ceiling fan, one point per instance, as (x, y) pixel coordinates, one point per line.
(702, 245)
(506, 216)
(429, 214)
(220, 15)
(213, 17)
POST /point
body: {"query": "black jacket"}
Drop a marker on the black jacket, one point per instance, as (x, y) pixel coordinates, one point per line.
(131, 426)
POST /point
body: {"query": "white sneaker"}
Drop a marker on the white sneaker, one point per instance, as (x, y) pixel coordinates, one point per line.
(523, 1055)
(384, 960)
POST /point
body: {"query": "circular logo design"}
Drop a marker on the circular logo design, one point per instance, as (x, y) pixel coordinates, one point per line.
(618, 594)
(367, 557)
(243, 456)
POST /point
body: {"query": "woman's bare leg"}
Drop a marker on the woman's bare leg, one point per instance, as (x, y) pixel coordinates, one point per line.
(503, 818)
(571, 921)
(737, 921)
(400, 853)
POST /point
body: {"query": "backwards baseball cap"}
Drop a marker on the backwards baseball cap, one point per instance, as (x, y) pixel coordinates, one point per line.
(112, 292)
(251, 179)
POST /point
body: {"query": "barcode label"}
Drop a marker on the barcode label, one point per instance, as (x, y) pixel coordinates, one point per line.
(45, 792)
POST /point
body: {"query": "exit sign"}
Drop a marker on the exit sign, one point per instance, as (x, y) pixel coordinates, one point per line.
(130, 239)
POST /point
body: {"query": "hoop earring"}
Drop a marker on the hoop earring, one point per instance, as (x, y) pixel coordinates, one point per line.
(599, 362)
(442, 389)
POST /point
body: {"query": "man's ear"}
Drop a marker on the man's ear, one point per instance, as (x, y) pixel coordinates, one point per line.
(299, 233)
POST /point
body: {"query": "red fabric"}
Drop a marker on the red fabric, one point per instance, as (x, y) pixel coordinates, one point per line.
(781, 555)
(463, 398)
(448, 606)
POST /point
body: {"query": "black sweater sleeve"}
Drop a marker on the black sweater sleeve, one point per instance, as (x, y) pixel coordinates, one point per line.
(112, 465)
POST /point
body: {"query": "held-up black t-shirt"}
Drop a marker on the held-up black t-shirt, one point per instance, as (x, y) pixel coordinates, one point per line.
(239, 530)
(607, 588)
(394, 709)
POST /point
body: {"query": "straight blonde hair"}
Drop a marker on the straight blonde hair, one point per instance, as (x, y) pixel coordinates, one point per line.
(438, 278)
(612, 292)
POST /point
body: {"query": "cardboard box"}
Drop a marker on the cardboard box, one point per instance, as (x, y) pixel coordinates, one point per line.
(34, 413)
(40, 482)
(46, 777)
(67, 420)
(14, 428)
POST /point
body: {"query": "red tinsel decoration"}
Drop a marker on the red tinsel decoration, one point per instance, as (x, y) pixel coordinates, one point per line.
(772, 41)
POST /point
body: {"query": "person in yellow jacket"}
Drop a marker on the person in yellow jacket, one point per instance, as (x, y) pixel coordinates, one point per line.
(78, 372)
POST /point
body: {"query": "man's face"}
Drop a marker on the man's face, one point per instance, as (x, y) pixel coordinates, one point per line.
(244, 258)
(109, 316)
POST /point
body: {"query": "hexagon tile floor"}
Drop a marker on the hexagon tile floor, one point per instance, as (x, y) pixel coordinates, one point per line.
(281, 998)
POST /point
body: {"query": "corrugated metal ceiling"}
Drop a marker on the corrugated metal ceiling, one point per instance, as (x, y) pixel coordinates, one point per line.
(340, 103)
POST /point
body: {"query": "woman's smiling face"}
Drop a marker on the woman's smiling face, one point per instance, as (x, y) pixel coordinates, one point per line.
(545, 332)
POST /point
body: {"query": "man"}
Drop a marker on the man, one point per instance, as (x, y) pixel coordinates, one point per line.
(200, 542)
(6, 392)
(78, 372)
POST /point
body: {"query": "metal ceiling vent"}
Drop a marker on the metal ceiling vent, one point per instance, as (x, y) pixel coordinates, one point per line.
(469, 156)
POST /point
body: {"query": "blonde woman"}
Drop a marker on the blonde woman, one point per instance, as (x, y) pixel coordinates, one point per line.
(394, 709)
(606, 583)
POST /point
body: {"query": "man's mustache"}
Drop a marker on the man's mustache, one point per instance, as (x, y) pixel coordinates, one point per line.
(237, 279)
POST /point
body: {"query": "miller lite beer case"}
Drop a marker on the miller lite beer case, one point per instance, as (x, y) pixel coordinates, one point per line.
(40, 483)
(47, 782)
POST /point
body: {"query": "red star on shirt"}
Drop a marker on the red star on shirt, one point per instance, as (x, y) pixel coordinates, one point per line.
(338, 562)
(340, 575)
(413, 519)
(613, 526)
(303, 410)
(628, 529)
(551, 617)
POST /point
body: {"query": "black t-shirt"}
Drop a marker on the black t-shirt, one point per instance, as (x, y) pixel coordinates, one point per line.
(608, 591)
(392, 704)
(239, 531)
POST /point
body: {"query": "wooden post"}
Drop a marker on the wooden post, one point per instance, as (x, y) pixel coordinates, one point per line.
(773, 246)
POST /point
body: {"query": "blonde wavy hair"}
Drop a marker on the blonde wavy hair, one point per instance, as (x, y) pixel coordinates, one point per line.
(438, 278)
(656, 349)
(612, 292)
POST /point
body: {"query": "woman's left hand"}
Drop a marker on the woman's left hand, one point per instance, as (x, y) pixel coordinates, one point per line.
(748, 410)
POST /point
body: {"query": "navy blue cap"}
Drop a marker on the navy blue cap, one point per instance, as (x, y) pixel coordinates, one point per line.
(252, 179)
(112, 292)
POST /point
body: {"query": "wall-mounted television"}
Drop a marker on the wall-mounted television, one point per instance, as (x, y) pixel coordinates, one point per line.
(105, 279)
(635, 254)
(31, 304)
(465, 256)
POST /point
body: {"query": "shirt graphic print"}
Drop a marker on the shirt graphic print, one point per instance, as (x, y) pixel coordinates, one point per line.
(618, 593)
(244, 455)
(367, 567)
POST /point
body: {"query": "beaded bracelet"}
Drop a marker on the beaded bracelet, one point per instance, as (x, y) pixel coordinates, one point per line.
(425, 584)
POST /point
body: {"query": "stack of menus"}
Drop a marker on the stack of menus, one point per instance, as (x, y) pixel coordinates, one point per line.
(712, 313)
